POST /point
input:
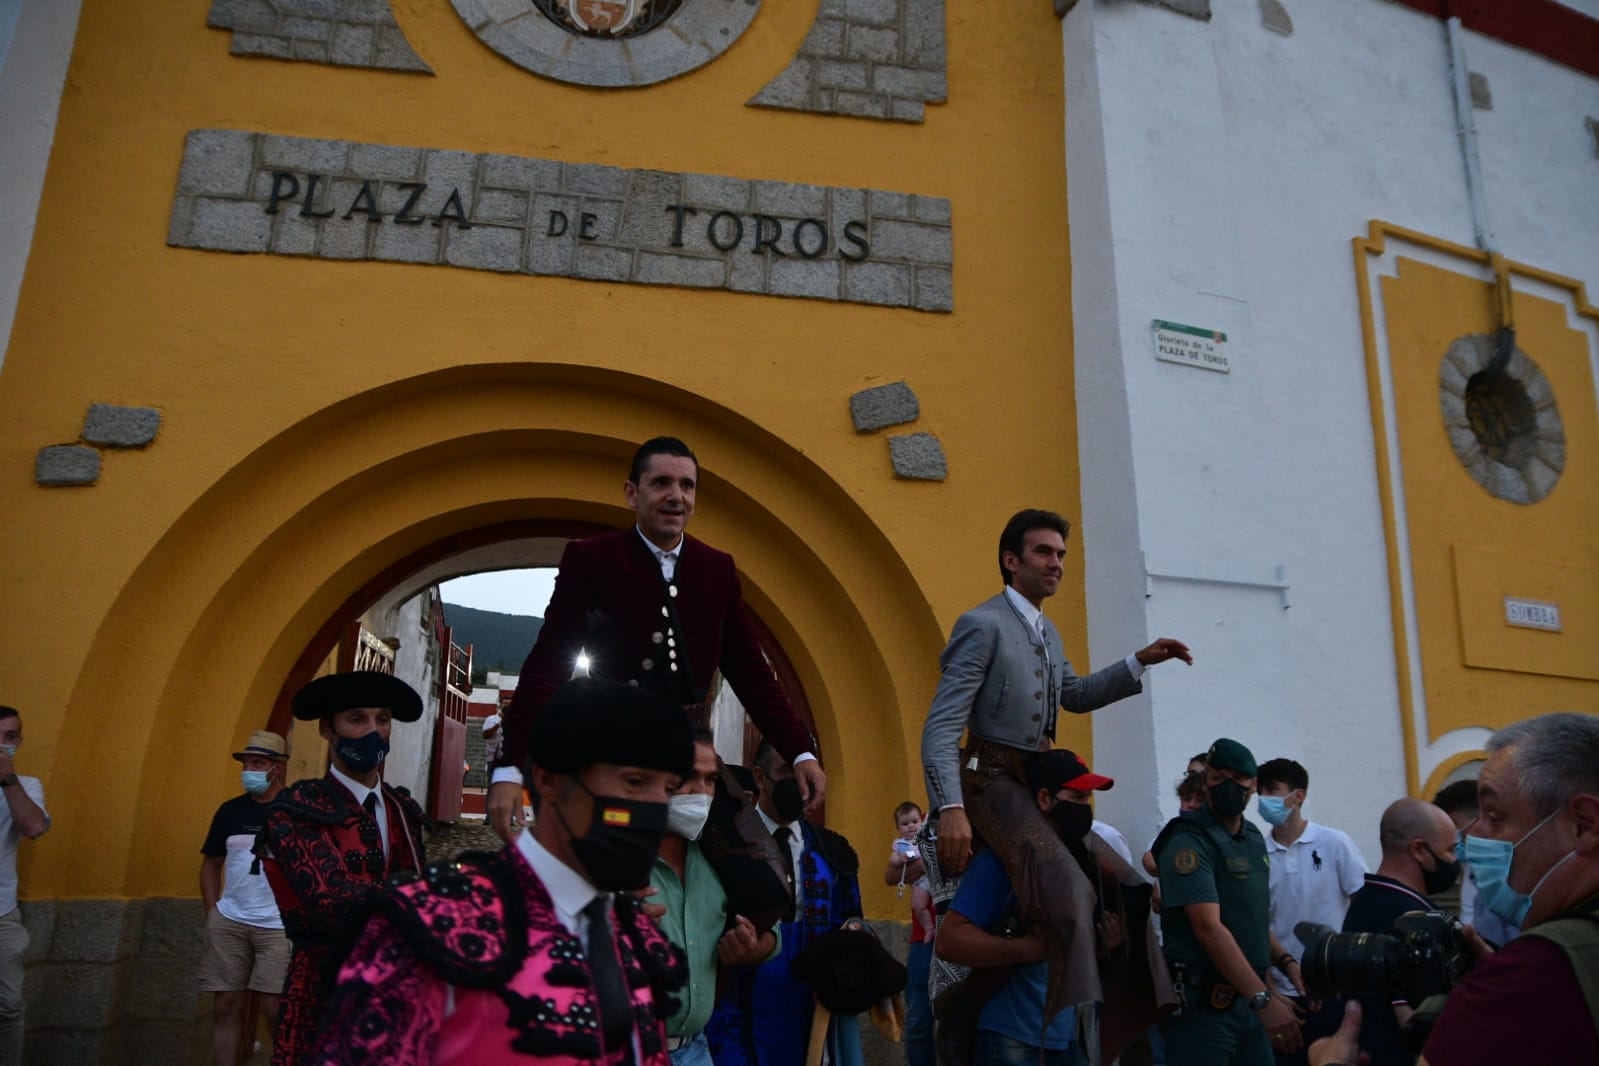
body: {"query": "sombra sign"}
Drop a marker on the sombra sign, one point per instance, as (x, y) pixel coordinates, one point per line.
(240, 191)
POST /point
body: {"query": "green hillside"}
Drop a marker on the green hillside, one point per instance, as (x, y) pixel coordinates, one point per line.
(499, 641)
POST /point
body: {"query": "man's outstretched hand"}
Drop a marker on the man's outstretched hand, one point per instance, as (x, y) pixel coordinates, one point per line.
(1163, 649)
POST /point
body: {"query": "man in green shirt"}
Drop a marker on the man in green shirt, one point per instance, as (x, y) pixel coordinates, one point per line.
(695, 916)
(1216, 917)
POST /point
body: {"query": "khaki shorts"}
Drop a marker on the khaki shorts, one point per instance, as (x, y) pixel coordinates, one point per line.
(239, 956)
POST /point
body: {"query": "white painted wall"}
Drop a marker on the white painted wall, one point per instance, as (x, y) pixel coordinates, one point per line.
(1216, 175)
(411, 743)
(35, 44)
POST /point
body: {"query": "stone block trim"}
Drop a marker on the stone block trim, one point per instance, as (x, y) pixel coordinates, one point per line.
(107, 974)
(1194, 9)
(240, 191)
(880, 59)
(60, 465)
(1275, 17)
(918, 457)
(883, 406)
(342, 33)
(1482, 96)
(700, 31)
(114, 426)
(107, 425)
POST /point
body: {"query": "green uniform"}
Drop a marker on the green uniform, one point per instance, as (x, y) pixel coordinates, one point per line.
(1200, 862)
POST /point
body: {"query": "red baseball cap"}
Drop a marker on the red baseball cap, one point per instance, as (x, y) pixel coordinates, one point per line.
(1058, 768)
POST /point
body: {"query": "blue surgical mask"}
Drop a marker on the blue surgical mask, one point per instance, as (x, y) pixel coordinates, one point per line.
(1490, 862)
(362, 754)
(255, 781)
(1273, 809)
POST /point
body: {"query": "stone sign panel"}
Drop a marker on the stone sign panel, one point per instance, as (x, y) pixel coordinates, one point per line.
(242, 191)
(1532, 614)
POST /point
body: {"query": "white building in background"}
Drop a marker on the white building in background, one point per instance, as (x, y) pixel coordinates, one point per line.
(408, 625)
(1310, 504)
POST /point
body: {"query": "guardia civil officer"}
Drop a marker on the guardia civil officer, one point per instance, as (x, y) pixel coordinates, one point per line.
(1217, 922)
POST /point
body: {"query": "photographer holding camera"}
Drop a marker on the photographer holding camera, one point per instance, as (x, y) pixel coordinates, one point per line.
(1535, 852)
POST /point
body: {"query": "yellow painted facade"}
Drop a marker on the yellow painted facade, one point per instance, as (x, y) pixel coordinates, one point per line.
(1465, 549)
(323, 420)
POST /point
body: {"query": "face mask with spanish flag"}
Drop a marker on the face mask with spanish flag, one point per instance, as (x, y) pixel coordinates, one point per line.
(620, 846)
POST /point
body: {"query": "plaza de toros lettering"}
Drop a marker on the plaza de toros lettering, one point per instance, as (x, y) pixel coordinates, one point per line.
(241, 191)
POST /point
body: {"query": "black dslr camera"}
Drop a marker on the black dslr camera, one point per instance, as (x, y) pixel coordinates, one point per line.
(1420, 961)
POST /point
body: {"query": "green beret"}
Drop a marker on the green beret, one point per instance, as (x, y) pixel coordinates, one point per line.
(589, 721)
(1230, 755)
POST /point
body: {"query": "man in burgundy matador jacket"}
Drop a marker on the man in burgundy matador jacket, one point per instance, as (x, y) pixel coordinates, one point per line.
(538, 952)
(652, 607)
(329, 841)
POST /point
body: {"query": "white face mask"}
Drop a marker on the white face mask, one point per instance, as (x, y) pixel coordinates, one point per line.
(686, 814)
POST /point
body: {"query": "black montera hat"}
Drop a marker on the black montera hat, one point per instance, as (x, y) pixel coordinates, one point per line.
(359, 688)
(589, 721)
(849, 970)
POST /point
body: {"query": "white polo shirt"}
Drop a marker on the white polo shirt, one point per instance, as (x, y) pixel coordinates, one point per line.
(1311, 881)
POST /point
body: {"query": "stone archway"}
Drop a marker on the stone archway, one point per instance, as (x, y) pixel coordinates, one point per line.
(530, 543)
(193, 654)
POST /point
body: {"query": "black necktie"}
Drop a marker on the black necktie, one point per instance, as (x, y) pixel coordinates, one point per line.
(370, 804)
(785, 836)
(615, 1005)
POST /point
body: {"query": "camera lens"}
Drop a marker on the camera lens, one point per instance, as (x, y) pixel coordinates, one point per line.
(1348, 964)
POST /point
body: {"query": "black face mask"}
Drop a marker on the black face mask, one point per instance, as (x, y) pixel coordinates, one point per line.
(1072, 820)
(1228, 799)
(623, 838)
(1443, 875)
(787, 800)
(362, 754)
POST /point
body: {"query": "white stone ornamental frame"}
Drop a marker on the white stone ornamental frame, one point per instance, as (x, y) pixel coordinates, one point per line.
(1538, 458)
(700, 31)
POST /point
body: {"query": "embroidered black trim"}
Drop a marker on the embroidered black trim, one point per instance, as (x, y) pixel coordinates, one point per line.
(486, 956)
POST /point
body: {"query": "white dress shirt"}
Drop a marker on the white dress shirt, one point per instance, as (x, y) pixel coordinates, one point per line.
(569, 890)
(796, 849)
(361, 792)
(666, 557)
(1034, 616)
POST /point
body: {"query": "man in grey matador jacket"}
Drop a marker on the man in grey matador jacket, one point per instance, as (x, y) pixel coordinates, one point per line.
(1005, 676)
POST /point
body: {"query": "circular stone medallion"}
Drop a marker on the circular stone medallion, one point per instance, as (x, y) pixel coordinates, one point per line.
(608, 43)
(1504, 426)
(611, 19)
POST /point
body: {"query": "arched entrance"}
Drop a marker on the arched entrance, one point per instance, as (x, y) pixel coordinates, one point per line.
(534, 543)
(195, 651)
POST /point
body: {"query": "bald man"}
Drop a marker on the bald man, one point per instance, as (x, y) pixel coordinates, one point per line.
(1418, 859)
